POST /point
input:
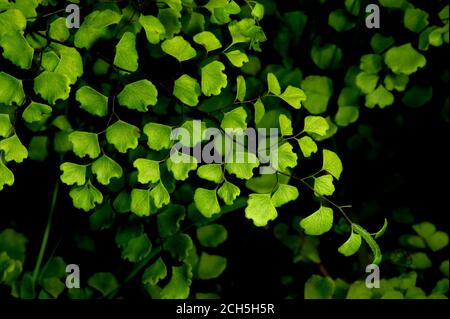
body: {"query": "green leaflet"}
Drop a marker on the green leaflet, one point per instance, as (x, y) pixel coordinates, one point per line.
(371, 242)
(332, 163)
(206, 202)
(12, 90)
(228, 192)
(52, 86)
(319, 222)
(105, 169)
(179, 48)
(126, 55)
(6, 176)
(316, 124)
(154, 29)
(5, 125)
(123, 136)
(13, 149)
(94, 27)
(158, 136)
(208, 40)
(237, 58)
(404, 59)
(284, 194)
(73, 174)
(138, 95)
(180, 165)
(86, 197)
(211, 172)
(213, 78)
(148, 171)
(92, 101)
(351, 246)
(16, 49)
(85, 144)
(187, 90)
(260, 209)
(36, 112)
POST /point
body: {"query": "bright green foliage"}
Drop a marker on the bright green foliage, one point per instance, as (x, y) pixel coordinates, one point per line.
(285, 125)
(92, 101)
(13, 149)
(158, 136)
(6, 176)
(123, 136)
(260, 209)
(148, 171)
(36, 112)
(140, 202)
(332, 163)
(187, 90)
(58, 30)
(126, 55)
(274, 85)
(323, 185)
(237, 58)
(307, 146)
(235, 120)
(154, 29)
(138, 95)
(179, 48)
(319, 222)
(228, 192)
(206, 202)
(371, 242)
(211, 172)
(141, 193)
(181, 169)
(73, 174)
(284, 194)
(94, 27)
(241, 88)
(351, 246)
(105, 169)
(85, 144)
(86, 197)
(286, 157)
(404, 59)
(5, 125)
(293, 96)
(213, 78)
(160, 195)
(208, 40)
(52, 86)
(316, 124)
(12, 90)
(242, 168)
(16, 49)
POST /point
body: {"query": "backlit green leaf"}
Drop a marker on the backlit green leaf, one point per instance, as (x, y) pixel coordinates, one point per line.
(319, 222)
(260, 209)
(123, 136)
